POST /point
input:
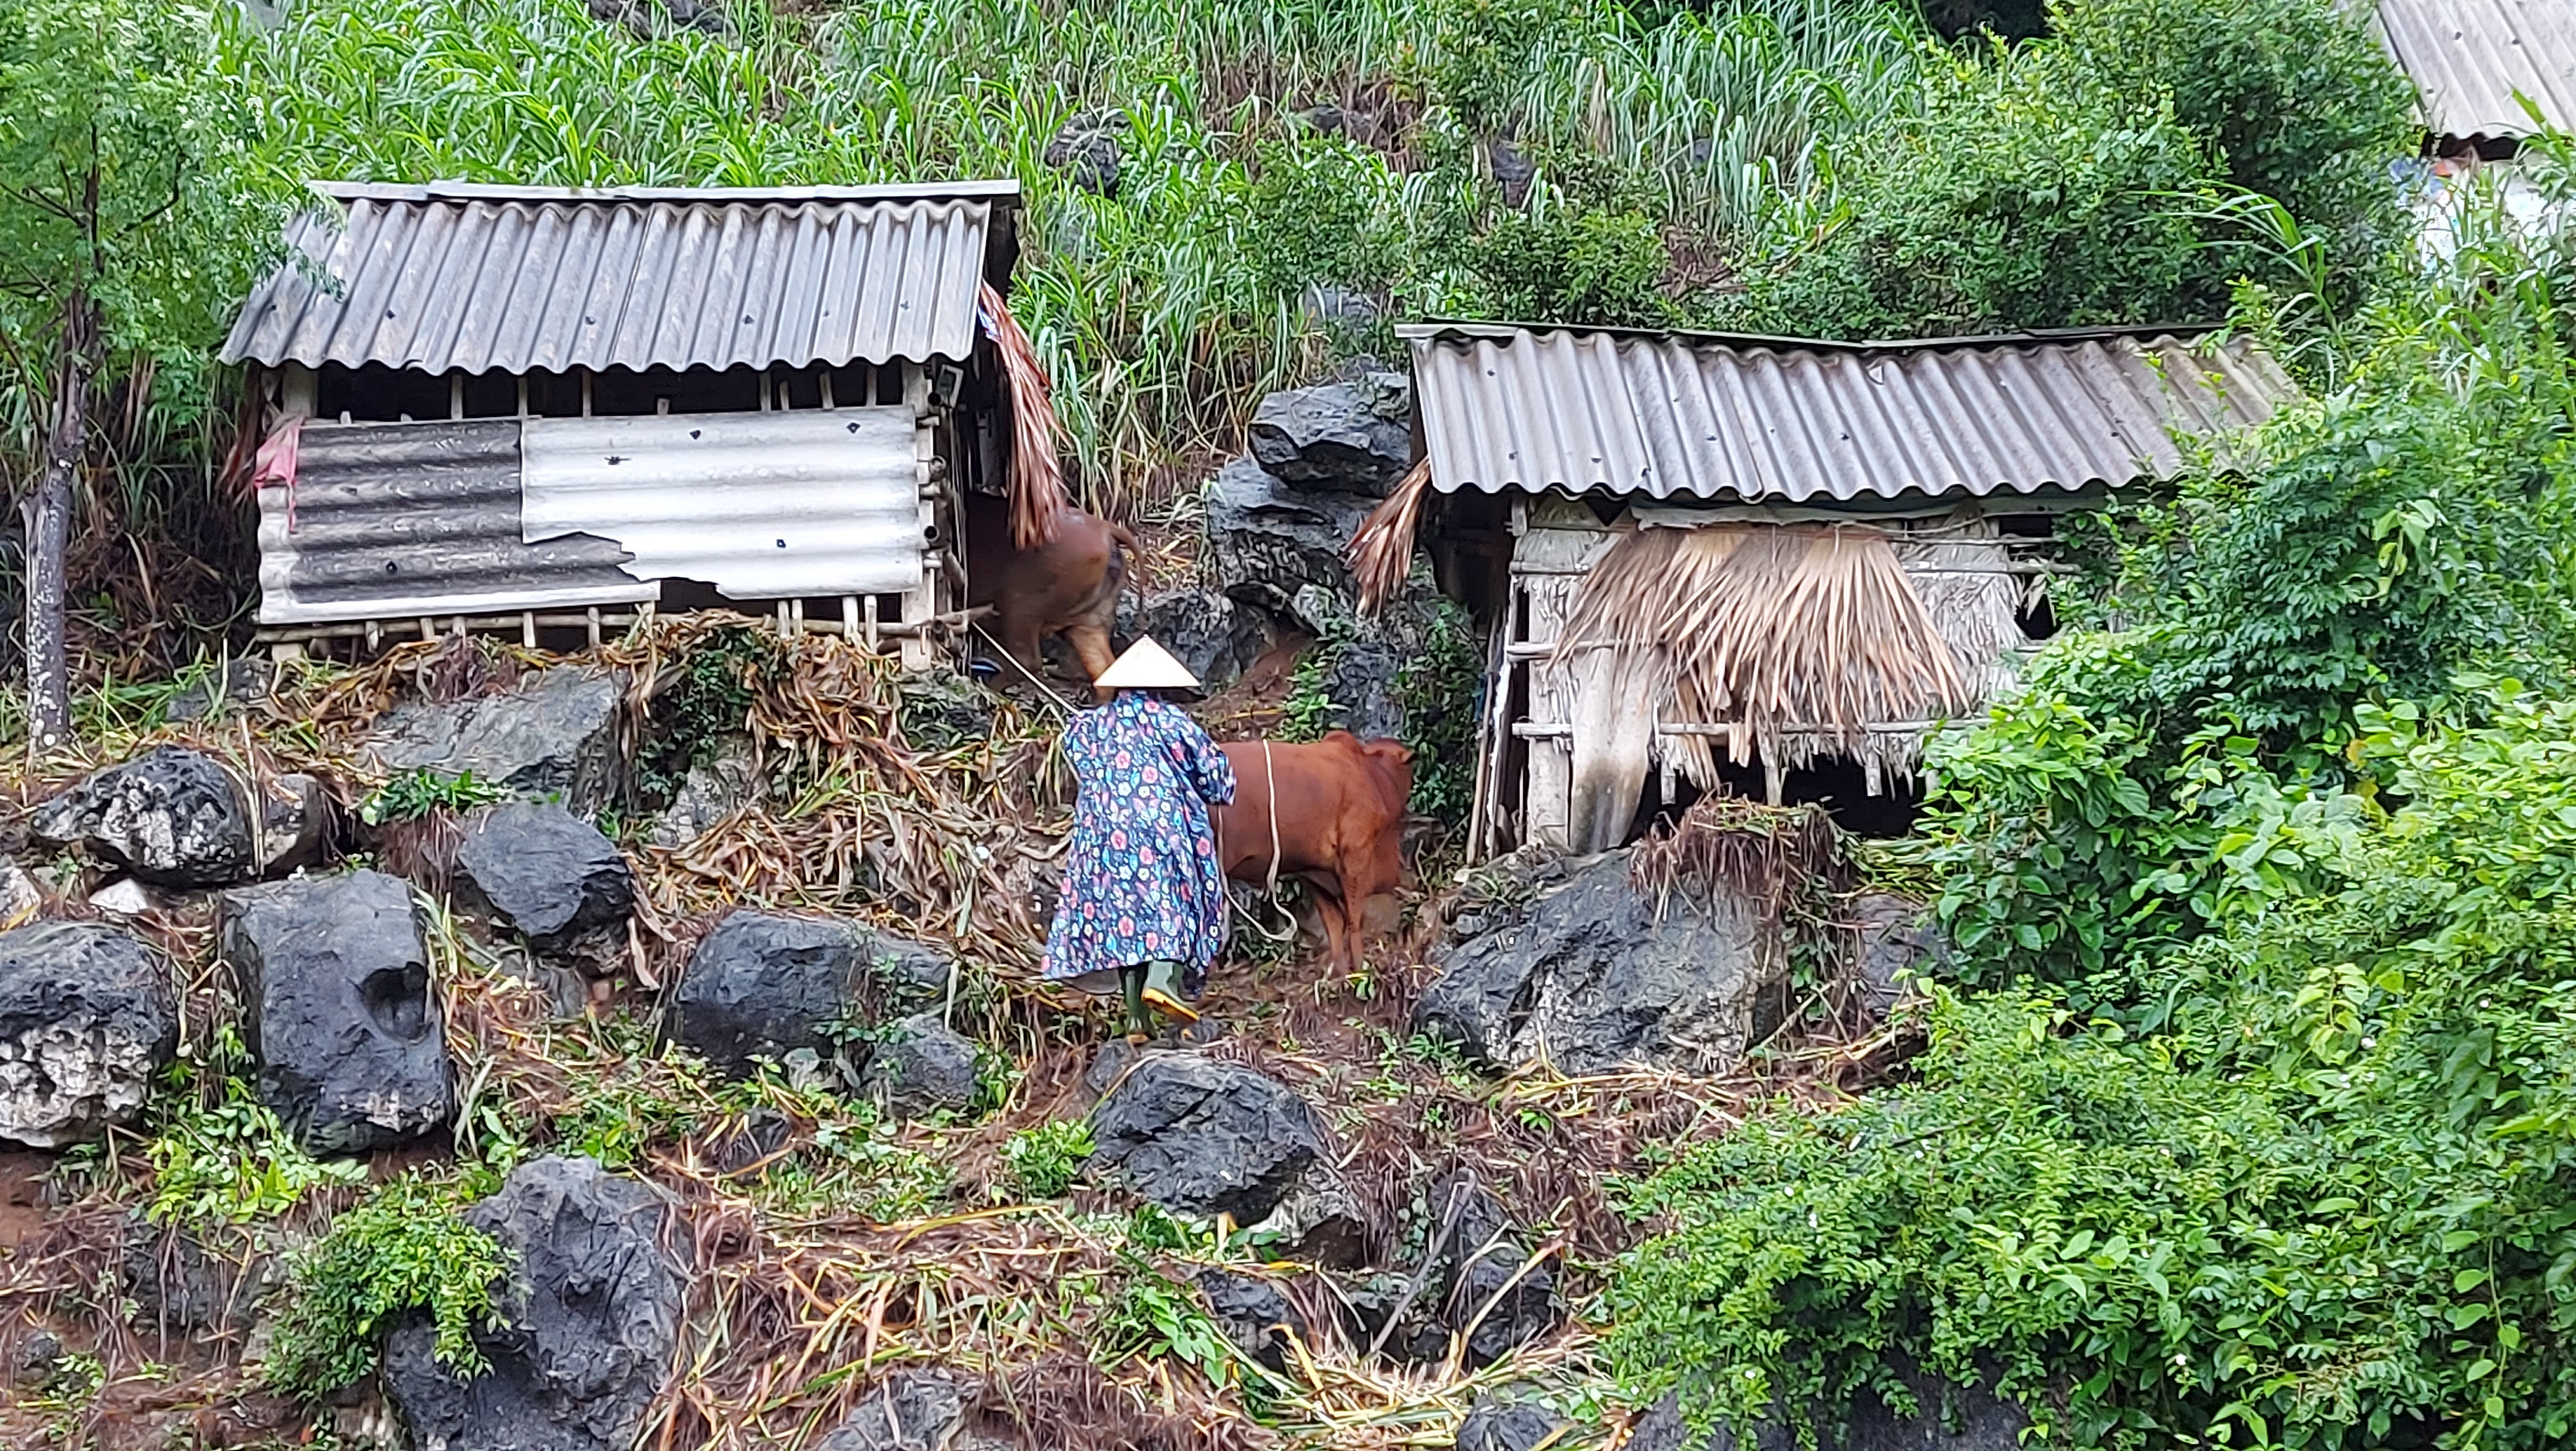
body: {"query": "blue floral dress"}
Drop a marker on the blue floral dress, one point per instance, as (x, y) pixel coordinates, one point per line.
(1141, 879)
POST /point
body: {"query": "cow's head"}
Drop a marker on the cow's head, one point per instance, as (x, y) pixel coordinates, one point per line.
(1394, 763)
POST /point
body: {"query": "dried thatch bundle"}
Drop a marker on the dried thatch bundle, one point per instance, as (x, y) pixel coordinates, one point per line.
(1796, 635)
(1381, 551)
(1037, 476)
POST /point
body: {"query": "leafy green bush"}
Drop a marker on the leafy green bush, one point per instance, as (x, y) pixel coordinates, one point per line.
(2329, 1207)
(706, 699)
(229, 1161)
(1044, 1160)
(1437, 689)
(413, 794)
(404, 1249)
(2297, 97)
(2025, 195)
(1574, 265)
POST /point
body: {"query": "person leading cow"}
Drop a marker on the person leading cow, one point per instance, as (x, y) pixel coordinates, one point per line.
(1143, 907)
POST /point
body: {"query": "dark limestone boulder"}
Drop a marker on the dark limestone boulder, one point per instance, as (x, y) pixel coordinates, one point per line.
(941, 709)
(1900, 938)
(178, 1288)
(1498, 1425)
(87, 1018)
(1254, 1315)
(920, 1067)
(297, 821)
(1352, 437)
(764, 984)
(340, 1012)
(657, 19)
(554, 734)
(1589, 977)
(172, 816)
(225, 687)
(1205, 630)
(725, 781)
(546, 872)
(1087, 149)
(1269, 539)
(1204, 1137)
(1489, 1291)
(915, 1410)
(590, 1319)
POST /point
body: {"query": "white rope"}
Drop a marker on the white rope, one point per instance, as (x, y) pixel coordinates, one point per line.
(1270, 780)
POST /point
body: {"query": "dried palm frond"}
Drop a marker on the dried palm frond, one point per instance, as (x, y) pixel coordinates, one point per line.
(1777, 630)
(1381, 551)
(1962, 574)
(1037, 475)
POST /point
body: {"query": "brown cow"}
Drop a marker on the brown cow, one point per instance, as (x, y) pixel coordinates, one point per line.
(1067, 586)
(1340, 812)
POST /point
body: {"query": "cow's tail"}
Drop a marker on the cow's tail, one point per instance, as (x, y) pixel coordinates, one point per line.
(1136, 557)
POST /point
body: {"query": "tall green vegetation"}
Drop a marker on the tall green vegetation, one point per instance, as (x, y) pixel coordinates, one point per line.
(2246, 1121)
(125, 230)
(2100, 176)
(1164, 310)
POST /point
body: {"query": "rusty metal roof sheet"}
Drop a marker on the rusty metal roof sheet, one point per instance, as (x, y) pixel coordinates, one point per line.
(2469, 57)
(520, 279)
(483, 516)
(1784, 421)
(392, 521)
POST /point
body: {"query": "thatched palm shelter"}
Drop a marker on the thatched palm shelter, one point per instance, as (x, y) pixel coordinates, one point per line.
(1702, 553)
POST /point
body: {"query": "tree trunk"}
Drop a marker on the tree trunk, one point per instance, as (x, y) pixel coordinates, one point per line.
(48, 518)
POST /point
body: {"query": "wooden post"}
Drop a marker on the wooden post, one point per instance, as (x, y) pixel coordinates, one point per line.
(918, 604)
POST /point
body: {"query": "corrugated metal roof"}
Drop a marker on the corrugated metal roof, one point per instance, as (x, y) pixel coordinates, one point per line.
(523, 279)
(2469, 57)
(397, 520)
(760, 505)
(1767, 420)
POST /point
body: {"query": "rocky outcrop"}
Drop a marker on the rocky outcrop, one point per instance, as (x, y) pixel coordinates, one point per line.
(715, 788)
(765, 984)
(1253, 1313)
(1205, 630)
(341, 1016)
(590, 1317)
(1899, 939)
(1497, 1425)
(546, 872)
(920, 1067)
(1589, 978)
(87, 1018)
(221, 689)
(1087, 149)
(915, 1410)
(297, 818)
(1489, 1291)
(180, 1289)
(1279, 518)
(1204, 1137)
(172, 816)
(553, 734)
(1353, 437)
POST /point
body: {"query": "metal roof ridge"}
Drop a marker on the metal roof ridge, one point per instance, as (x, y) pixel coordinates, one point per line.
(1001, 192)
(1433, 330)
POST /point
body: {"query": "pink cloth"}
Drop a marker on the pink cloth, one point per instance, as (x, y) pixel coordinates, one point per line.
(275, 462)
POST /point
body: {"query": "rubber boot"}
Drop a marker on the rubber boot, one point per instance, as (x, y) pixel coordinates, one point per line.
(1131, 986)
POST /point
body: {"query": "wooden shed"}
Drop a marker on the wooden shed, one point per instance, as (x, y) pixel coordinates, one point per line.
(542, 411)
(1770, 565)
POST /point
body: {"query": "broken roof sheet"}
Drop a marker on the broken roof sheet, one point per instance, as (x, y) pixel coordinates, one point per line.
(2468, 58)
(1735, 419)
(522, 279)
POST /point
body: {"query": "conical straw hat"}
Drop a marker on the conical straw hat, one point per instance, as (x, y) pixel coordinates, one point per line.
(1147, 666)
